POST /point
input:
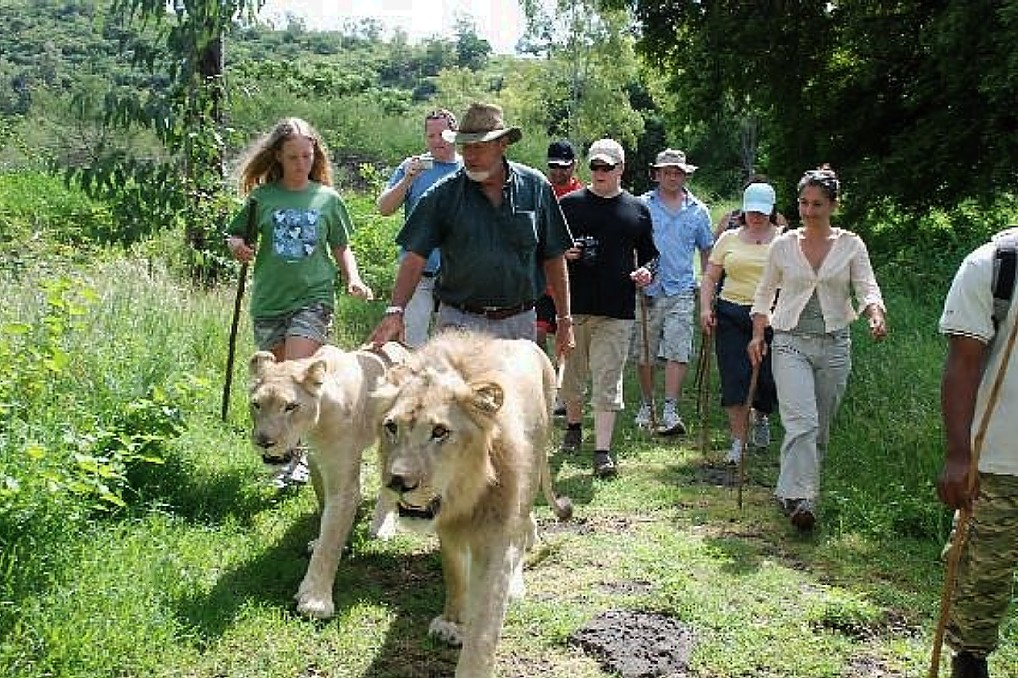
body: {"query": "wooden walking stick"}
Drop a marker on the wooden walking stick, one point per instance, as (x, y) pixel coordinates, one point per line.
(703, 390)
(965, 514)
(250, 235)
(646, 358)
(745, 443)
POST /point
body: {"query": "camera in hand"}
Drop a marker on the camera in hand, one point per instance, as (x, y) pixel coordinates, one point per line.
(587, 245)
(426, 160)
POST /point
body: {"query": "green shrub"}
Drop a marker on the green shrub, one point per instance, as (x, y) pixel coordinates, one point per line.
(42, 220)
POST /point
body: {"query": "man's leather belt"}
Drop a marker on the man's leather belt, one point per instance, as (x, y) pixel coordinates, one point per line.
(494, 312)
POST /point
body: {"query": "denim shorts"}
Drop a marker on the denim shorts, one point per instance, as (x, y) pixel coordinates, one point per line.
(311, 322)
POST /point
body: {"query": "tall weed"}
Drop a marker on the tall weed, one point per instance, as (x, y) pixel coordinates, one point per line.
(99, 370)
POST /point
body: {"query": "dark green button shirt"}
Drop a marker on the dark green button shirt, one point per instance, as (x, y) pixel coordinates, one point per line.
(491, 256)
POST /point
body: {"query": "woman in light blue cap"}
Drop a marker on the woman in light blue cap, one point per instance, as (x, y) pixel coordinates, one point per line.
(740, 255)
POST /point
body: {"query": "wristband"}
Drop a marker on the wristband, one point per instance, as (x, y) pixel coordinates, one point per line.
(564, 318)
(393, 310)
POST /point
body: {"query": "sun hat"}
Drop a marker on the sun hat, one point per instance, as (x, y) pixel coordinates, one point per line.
(561, 153)
(673, 158)
(758, 197)
(482, 122)
(606, 150)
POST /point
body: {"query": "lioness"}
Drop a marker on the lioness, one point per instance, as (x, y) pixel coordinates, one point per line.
(326, 401)
(464, 445)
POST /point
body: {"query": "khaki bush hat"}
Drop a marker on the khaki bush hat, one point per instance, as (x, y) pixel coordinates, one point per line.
(673, 158)
(482, 122)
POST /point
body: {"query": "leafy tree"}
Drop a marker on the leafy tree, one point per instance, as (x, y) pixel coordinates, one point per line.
(472, 52)
(913, 101)
(591, 83)
(186, 115)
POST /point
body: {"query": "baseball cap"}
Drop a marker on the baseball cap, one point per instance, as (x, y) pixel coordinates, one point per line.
(758, 198)
(606, 150)
(561, 153)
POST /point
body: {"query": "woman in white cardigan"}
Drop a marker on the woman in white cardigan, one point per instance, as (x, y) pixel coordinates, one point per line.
(819, 269)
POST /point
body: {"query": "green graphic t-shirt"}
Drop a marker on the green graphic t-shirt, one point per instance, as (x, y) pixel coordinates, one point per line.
(297, 230)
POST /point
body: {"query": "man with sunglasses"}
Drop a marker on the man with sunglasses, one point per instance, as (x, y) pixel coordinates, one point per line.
(501, 234)
(614, 256)
(681, 227)
(562, 175)
(407, 184)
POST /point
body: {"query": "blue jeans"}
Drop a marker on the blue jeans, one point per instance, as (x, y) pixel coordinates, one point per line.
(810, 373)
(418, 312)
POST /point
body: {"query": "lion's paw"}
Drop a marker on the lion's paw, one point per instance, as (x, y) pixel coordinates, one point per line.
(446, 631)
(318, 607)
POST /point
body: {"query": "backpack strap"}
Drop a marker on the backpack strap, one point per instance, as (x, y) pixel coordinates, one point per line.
(1005, 264)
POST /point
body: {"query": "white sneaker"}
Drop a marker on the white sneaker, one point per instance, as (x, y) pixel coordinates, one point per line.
(734, 455)
(642, 419)
(760, 435)
(671, 423)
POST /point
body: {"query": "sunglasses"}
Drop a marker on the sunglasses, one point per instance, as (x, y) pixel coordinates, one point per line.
(601, 167)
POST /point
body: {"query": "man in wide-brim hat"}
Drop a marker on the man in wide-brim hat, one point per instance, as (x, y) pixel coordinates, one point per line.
(501, 234)
(482, 122)
(682, 227)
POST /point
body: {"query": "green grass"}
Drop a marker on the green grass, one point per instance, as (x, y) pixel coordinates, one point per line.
(193, 575)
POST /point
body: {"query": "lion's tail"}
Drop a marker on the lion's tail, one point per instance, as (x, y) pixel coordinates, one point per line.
(562, 506)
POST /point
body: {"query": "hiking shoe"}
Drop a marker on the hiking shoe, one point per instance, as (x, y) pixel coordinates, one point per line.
(735, 453)
(786, 506)
(559, 411)
(760, 435)
(642, 419)
(804, 515)
(967, 665)
(604, 465)
(293, 473)
(572, 439)
(671, 423)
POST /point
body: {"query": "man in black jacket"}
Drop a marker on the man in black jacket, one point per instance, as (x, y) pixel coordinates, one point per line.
(614, 247)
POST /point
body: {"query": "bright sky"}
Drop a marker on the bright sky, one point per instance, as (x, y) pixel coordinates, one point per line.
(500, 22)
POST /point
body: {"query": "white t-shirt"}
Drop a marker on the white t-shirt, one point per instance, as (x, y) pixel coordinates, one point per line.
(967, 312)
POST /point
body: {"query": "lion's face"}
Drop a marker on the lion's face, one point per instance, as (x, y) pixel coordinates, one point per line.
(284, 402)
(435, 439)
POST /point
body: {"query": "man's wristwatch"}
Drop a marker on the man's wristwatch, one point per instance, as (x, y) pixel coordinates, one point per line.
(394, 310)
(564, 319)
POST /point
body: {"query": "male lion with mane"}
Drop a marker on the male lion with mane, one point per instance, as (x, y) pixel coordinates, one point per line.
(464, 447)
(325, 400)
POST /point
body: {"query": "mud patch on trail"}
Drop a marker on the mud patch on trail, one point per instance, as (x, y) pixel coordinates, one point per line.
(869, 667)
(586, 525)
(637, 644)
(632, 587)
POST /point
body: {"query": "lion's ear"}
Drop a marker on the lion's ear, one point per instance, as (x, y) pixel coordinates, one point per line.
(314, 376)
(384, 395)
(488, 396)
(256, 366)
